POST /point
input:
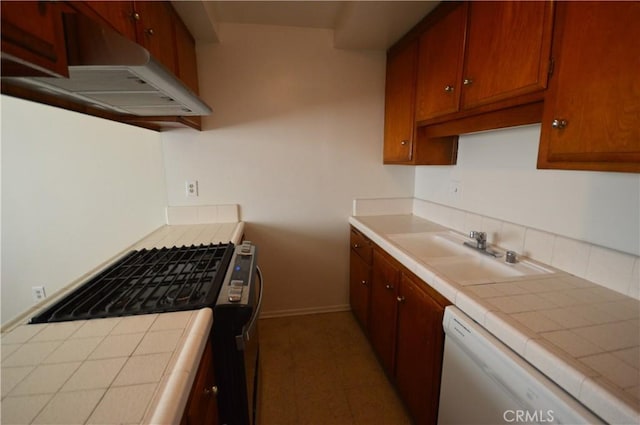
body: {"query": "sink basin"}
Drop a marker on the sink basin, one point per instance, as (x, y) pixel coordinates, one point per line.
(445, 253)
(430, 244)
(474, 270)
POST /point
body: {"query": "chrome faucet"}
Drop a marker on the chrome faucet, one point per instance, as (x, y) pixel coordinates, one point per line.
(481, 244)
(480, 237)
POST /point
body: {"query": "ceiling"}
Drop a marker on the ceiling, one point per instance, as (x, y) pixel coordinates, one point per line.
(356, 24)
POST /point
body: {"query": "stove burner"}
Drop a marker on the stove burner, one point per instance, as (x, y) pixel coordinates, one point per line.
(148, 281)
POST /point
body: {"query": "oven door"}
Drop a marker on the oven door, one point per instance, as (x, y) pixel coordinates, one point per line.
(247, 342)
(236, 356)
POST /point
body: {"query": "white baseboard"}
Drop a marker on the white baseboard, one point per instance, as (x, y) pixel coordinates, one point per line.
(303, 311)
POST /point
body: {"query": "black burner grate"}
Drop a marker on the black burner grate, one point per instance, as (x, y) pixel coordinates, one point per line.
(148, 281)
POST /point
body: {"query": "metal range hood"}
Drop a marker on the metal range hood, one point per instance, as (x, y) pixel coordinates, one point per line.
(111, 72)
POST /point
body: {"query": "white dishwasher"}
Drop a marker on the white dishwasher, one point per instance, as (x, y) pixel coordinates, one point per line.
(485, 382)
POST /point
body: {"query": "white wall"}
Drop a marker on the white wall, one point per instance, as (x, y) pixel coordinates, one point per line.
(295, 136)
(75, 191)
(498, 175)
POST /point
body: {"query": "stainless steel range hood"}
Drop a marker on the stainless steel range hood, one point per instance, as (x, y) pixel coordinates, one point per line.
(109, 71)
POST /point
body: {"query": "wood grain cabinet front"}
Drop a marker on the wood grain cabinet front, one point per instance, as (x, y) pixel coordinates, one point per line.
(33, 41)
(591, 118)
(399, 119)
(419, 348)
(385, 278)
(360, 277)
(202, 405)
(479, 53)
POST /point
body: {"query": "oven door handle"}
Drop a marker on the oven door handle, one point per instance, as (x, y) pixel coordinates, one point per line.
(247, 330)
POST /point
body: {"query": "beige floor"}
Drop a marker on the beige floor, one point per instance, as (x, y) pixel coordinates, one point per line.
(320, 369)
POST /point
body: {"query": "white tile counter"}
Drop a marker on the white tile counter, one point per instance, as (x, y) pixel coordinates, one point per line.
(583, 336)
(123, 370)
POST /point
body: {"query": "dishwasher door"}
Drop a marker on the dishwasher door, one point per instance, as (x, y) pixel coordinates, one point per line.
(485, 382)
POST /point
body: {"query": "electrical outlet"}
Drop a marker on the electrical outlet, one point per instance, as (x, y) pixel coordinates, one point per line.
(191, 188)
(38, 294)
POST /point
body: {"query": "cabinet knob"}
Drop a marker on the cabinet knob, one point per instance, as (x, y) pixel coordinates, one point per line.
(388, 286)
(135, 16)
(559, 124)
(400, 299)
(211, 391)
(448, 89)
(404, 142)
(364, 282)
(467, 81)
(149, 31)
(356, 246)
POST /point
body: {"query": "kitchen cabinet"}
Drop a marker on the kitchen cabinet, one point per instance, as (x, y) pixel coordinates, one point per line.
(399, 120)
(591, 118)
(385, 278)
(507, 50)
(155, 31)
(479, 53)
(419, 348)
(119, 14)
(33, 42)
(148, 23)
(202, 407)
(440, 64)
(360, 277)
(405, 331)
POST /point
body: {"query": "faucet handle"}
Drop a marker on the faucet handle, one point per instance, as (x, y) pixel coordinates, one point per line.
(479, 236)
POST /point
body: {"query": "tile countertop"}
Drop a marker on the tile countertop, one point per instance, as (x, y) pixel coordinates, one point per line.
(581, 335)
(123, 370)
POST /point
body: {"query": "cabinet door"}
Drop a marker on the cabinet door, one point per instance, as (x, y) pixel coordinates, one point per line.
(507, 50)
(202, 406)
(382, 319)
(359, 284)
(440, 65)
(119, 14)
(155, 31)
(594, 91)
(187, 65)
(420, 344)
(399, 119)
(33, 39)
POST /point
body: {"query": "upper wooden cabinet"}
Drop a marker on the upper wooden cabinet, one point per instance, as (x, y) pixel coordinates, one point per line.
(507, 50)
(479, 53)
(591, 118)
(119, 14)
(399, 119)
(155, 31)
(33, 41)
(440, 64)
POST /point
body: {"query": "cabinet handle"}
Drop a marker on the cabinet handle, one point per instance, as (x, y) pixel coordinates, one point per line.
(388, 286)
(356, 246)
(559, 124)
(467, 81)
(404, 142)
(211, 391)
(448, 89)
(135, 16)
(149, 31)
(400, 299)
(364, 282)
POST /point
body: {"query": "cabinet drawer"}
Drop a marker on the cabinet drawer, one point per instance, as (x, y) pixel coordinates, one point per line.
(361, 245)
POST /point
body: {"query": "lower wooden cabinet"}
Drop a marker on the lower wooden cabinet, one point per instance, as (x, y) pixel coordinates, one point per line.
(385, 278)
(404, 316)
(419, 348)
(202, 406)
(359, 289)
